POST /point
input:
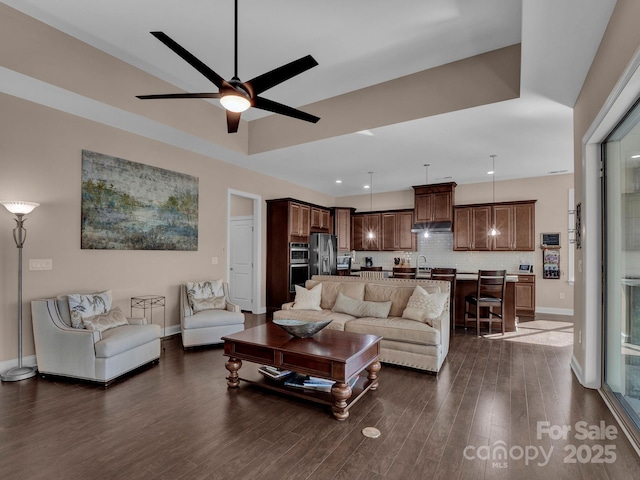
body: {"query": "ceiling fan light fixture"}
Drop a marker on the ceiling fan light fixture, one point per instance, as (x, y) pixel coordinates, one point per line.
(235, 102)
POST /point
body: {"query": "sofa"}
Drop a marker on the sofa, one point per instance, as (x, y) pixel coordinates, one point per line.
(407, 342)
(207, 326)
(90, 354)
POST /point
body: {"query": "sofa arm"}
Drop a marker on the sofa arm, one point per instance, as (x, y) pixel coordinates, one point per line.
(137, 321)
(287, 306)
(232, 307)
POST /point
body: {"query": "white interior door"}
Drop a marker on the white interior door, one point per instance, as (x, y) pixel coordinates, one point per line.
(241, 263)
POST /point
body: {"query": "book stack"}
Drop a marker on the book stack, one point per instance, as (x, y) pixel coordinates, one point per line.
(274, 372)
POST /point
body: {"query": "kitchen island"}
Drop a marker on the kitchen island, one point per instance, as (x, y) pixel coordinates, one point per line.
(466, 284)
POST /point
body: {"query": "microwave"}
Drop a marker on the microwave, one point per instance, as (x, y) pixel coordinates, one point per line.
(524, 268)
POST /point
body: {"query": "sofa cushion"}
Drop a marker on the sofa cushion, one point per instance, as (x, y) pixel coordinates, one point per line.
(105, 321)
(424, 306)
(394, 328)
(330, 291)
(124, 338)
(212, 318)
(338, 319)
(308, 299)
(63, 308)
(212, 303)
(88, 305)
(204, 290)
(361, 308)
(399, 296)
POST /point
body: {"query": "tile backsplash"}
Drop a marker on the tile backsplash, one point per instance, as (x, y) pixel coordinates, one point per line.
(438, 249)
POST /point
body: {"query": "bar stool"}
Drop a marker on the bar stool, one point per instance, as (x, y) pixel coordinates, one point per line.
(490, 295)
(448, 274)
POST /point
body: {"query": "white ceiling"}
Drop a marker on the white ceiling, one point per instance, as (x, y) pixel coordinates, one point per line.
(357, 44)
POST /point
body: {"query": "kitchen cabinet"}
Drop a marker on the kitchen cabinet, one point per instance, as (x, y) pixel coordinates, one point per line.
(434, 203)
(365, 230)
(299, 221)
(470, 228)
(342, 228)
(526, 295)
(396, 231)
(514, 220)
(516, 223)
(320, 220)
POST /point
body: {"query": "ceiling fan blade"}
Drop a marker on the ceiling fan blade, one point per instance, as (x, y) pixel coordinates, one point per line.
(275, 107)
(217, 80)
(270, 79)
(179, 95)
(233, 120)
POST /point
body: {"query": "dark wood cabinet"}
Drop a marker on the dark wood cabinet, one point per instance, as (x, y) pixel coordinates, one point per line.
(526, 295)
(434, 203)
(396, 231)
(320, 220)
(342, 227)
(365, 229)
(471, 227)
(514, 220)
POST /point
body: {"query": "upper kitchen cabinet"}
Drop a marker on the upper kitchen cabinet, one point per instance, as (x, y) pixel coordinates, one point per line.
(365, 230)
(342, 227)
(514, 220)
(299, 221)
(434, 203)
(471, 225)
(320, 220)
(516, 223)
(396, 231)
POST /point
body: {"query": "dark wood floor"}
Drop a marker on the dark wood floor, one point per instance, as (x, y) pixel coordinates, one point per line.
(177, 420)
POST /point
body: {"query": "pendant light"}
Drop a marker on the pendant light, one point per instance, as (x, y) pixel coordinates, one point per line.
(370, 234)
(426, 182)
(493, 231)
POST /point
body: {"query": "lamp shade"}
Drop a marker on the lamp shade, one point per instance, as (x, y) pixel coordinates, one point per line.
(19, 208)
(235, 103)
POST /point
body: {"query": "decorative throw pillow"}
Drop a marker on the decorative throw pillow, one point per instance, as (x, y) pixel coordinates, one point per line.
(308, 299)
(204, 290)
(84, 306)
(424, 306)
(105, 321)
(361, 308)
(215, 303)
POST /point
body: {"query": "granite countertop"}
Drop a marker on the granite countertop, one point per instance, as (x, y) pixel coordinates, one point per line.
(511, 277)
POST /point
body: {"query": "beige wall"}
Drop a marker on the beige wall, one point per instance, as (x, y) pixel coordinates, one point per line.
(619, 45)
(41, 162)
(241, 206)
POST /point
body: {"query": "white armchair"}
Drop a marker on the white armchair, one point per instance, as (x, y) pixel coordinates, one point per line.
(207, 327)
(62, 350)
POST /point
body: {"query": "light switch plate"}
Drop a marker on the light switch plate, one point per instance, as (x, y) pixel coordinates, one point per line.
(40, 264)
(214, 260)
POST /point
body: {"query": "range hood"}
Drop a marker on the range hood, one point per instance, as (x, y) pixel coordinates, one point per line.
(432, 227)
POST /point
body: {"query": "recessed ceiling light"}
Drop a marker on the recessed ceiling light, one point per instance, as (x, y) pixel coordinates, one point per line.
(367, 186)
(368, 133)
(635, 156)
(338, 181)
(490, 172)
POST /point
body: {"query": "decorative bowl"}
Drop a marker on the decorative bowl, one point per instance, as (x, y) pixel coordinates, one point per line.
(300, 328)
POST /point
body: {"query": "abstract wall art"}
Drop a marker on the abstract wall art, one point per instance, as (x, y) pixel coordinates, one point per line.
(132, 206)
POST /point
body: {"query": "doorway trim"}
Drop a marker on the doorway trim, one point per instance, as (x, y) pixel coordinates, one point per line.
(257, 244)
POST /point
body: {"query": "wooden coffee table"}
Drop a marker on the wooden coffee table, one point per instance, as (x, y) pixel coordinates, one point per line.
(330, 354)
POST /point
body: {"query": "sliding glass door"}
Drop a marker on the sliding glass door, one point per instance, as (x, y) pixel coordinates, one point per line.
(621, 222)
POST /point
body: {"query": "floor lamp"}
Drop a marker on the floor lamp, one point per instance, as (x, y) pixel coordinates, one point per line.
(19, 209)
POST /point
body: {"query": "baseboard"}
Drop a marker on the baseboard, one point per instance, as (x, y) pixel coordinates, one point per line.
(29, 361)
(171, 330)
(555, 311)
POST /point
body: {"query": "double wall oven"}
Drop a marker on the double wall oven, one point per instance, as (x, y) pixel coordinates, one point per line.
(298, 265)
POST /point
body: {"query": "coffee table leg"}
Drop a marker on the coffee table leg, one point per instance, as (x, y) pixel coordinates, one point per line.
(233, 365)
(372, 378)
(340, 393)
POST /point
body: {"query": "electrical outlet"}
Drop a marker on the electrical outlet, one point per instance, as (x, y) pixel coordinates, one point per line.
(561, 295)
(40, 264)
(580, 337)
(214, 260)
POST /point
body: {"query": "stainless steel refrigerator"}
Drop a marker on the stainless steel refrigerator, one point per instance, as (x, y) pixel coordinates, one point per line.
(323, 254)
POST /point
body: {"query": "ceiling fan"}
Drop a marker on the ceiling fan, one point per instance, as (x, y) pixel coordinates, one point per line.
(237, 96)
